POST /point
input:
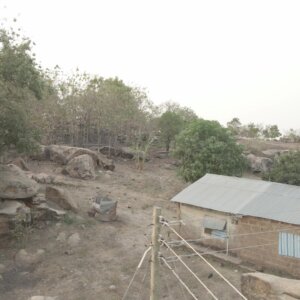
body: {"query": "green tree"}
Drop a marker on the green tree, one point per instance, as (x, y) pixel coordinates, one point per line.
(21, 83)
(271, 132)
(174, 119)
(286, 169)
(170, 124)
(234, 126)
(207, 147)
(251, 130)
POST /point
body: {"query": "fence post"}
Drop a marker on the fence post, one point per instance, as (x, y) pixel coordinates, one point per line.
(154, 279)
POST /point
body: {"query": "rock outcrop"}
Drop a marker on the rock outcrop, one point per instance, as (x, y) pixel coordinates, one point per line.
(82, 167)
(15, 184)
(64, 154)
(61, 198)
(259, 164)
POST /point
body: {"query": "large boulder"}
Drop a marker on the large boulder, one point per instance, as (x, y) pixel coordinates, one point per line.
(259, 164)
(60, 197)
(10, 207)
(81, 167)
(260, 286)
(64, 154)
(19, 162)
(15, 184)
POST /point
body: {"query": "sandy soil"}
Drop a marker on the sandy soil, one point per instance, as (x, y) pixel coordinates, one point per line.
(101, 266)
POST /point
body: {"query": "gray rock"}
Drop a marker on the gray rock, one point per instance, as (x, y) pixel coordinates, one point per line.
(19, 162)
(10, 207)
(43, 178)
(44, 212)
(81, 167)
(61, 197)
(74, 240)
(259, 164)
(38, 199)
(15, 184)
(27, 260)
(258, 286)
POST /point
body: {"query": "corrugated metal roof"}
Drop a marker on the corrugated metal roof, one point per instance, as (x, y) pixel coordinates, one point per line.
(248, 197)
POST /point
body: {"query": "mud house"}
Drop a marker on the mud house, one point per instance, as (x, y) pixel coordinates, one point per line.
(255, 220)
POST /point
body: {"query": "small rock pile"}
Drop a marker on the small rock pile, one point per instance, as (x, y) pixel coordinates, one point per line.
(20, 199)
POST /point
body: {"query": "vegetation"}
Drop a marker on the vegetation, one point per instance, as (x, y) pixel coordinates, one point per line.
(207, 147)
(286, 169)
(22, 83)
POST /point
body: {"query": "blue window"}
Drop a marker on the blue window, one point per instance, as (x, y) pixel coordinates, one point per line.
(289, 244)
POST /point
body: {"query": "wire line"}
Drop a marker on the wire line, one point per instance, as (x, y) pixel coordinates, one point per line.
(190, 270)
(179, 279)
(136, 270)
(205, 260)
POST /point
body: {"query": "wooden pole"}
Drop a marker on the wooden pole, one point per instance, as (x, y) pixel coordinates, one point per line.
(154, 279)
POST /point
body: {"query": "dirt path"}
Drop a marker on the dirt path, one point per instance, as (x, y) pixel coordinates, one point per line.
(101, 266)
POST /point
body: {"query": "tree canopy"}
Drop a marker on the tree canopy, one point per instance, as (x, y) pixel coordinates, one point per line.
(286, 169)
(207, 147)
(21, 84)
(173, 120)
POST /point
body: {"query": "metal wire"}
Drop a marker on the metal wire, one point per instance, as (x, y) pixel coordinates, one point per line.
(191, 271)
(205, 260)
(136, 271)
(179, 279)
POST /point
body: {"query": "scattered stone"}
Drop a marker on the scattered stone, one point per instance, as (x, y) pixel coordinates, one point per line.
(15, 184)
(73, 240)
(112, 287)
(81, 167)
(61, 197)
(27, 260)
(61, 237)
(43, 178)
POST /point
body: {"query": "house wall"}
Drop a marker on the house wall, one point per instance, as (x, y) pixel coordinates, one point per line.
(254, 240)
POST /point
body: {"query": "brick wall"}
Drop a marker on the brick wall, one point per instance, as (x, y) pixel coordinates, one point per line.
(254, 240)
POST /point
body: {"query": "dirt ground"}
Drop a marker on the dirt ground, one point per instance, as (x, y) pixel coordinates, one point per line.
(101, 266)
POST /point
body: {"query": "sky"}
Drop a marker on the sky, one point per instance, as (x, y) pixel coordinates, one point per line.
(223, 59)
